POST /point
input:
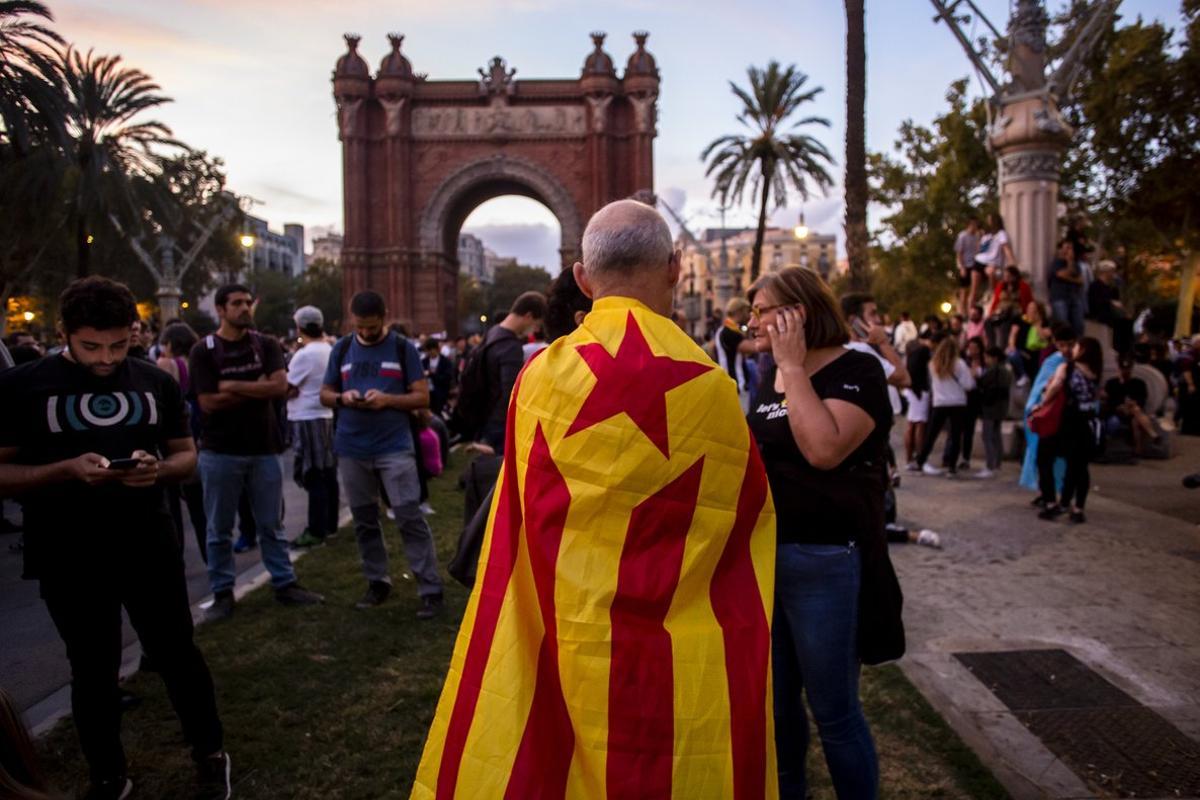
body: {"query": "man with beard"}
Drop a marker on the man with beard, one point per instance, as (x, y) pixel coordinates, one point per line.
(375, 378)
(238, 377)
(87, 440)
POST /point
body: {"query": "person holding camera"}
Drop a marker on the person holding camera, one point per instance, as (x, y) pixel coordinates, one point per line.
(88, 438)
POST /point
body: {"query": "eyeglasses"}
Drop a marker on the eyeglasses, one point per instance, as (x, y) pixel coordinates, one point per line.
(758, 311)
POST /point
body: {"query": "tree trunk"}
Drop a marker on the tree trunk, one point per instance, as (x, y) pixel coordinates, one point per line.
(760, 234)
(856, 146)
(1187, 295)
(82, 249)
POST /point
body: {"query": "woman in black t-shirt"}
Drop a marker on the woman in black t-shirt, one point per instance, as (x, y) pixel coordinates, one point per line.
(821, 422)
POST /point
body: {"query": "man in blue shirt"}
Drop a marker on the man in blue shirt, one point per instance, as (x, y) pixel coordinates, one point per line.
(374, 379)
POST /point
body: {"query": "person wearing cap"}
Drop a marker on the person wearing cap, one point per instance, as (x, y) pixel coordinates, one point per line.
(312, 427)
(1104, 306)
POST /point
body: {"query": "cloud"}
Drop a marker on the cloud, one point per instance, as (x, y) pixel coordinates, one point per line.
(265, 192)
(111, 30)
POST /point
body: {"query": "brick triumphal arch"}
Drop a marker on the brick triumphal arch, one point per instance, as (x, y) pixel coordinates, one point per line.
(419, 155)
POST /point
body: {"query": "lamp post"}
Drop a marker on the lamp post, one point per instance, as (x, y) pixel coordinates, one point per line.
(724, 279)
(801, 232)
(247, 242)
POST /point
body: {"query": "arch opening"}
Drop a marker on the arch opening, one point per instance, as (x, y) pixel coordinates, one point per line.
(514, 226)
(475, 184)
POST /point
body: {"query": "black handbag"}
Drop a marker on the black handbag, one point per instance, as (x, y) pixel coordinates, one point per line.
(479, 480)
(880, 602)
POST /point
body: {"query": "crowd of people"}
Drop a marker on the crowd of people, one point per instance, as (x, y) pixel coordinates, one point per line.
(107, 438)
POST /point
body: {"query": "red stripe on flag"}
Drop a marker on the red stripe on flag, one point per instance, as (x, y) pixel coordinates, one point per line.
(641, 685)
(544, 758)
(737, 604)
(501, 560)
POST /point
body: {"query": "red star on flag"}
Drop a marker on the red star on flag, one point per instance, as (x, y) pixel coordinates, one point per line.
(634, 382)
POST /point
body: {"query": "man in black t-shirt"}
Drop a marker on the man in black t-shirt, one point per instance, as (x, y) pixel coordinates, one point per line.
(87, 438)
(239, 377)
(1124, 405)
(733, 347)
(504, 356)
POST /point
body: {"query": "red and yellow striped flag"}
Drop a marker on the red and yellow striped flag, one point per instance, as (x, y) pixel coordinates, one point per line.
(617, 642)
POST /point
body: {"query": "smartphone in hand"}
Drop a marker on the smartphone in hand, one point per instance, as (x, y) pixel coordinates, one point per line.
(124, 463)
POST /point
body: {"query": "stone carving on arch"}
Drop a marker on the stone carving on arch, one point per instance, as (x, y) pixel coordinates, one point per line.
(500, 168)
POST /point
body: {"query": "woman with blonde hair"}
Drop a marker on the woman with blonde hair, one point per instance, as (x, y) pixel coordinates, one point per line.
(949, 379)
(821, 423)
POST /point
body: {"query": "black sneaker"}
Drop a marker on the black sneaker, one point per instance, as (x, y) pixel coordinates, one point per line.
(1038, 502)
(1051, 511)
(377, 592)
(431, 606)
(1192, 481)
(212, 777)
(1078, 518)
(221, 609)
(296, 595)
(113, 789)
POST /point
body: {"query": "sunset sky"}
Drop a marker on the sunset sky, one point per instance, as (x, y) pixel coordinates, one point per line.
(250, 80)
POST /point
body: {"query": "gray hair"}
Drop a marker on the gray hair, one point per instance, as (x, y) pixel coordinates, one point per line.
(626, 237)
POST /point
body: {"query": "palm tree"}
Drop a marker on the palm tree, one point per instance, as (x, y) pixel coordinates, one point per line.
(109, 150)
(770, 158)
(856, 146)
(30, 94)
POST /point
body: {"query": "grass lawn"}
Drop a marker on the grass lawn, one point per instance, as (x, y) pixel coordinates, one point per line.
(333, 703)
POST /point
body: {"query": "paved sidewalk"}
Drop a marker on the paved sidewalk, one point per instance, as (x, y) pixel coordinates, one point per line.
(33, 663)
(1120, 593)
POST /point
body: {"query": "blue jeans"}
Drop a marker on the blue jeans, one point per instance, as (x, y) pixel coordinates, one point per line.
(1069, 309)
(815, 649)
(224, 477)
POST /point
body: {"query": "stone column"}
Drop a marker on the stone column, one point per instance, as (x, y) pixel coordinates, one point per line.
(645, 112)
(1029, 136)
(1029, 174)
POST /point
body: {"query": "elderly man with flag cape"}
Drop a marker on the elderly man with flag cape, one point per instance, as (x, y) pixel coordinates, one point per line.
(617, 641)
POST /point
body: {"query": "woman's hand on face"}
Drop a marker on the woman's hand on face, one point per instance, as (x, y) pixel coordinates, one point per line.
(786, 332)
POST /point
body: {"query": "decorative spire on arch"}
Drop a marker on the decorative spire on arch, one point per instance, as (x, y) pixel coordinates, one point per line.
(498, 79)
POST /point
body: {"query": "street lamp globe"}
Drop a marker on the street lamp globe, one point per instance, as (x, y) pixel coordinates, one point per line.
(947, 307)
(247, 240)
(801, 230)
(29, 315)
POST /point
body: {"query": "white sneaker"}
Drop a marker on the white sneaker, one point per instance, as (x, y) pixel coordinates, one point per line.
(928, 538)
(390, 514)
(1023, 381)
(985, 473)
(913, 467)
(931, 470)
(427, 509)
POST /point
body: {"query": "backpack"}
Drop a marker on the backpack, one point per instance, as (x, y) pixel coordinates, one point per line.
(216, 345)
(475, 394)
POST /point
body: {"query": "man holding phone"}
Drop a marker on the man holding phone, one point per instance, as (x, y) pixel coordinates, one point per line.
(374, 379)
(87, 438)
